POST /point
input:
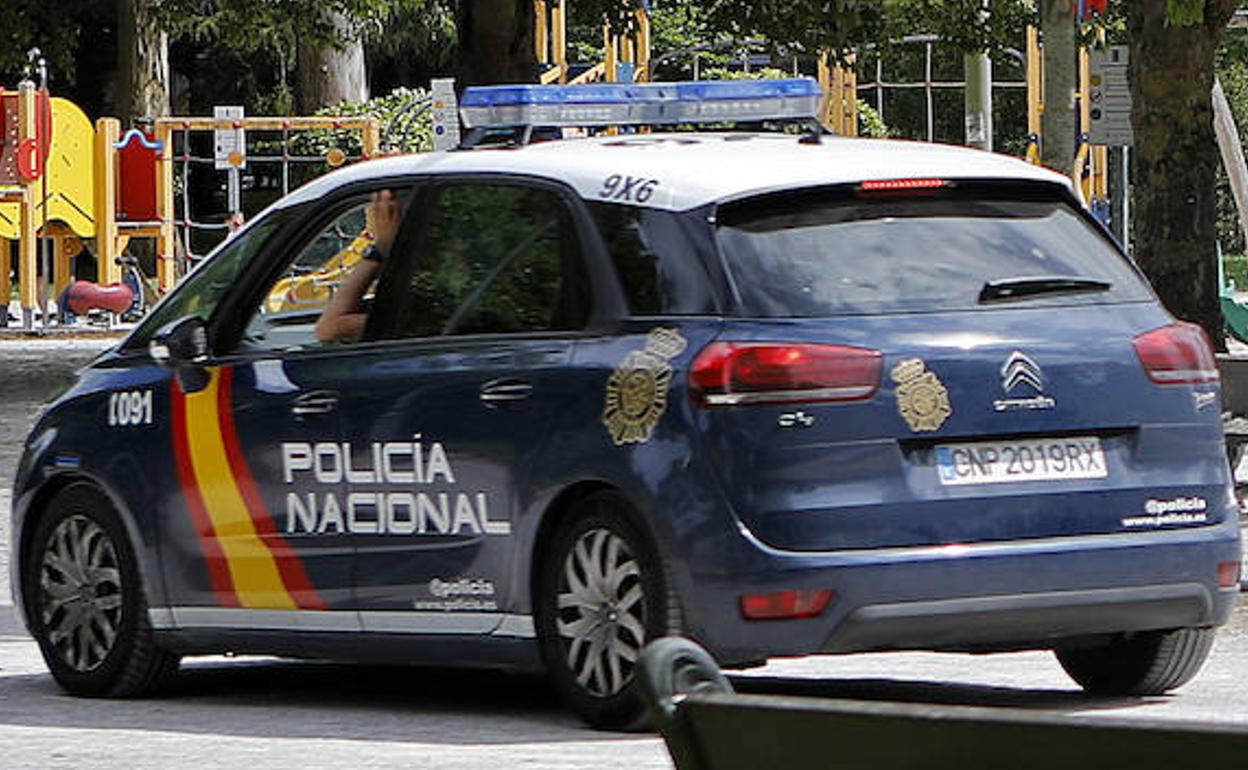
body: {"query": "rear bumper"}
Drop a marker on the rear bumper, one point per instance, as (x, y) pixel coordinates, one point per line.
(987, 622)
(1007, 595)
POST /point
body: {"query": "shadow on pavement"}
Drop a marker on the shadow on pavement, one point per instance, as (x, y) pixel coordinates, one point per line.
(268, 698)
(911, 691)
(283, 699)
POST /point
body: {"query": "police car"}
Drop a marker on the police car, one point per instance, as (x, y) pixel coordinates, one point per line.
(783, 393)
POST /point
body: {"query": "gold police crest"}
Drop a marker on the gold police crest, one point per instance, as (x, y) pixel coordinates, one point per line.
(637, 389)
(921, 397)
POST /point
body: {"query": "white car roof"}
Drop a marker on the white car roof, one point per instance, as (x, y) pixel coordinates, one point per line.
(684, 171)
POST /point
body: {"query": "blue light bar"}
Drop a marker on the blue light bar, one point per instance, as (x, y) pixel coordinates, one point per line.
(619, 104)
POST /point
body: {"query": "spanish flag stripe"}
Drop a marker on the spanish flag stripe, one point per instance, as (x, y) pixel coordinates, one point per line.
(252, 566)
(218, 569)
(289, 567)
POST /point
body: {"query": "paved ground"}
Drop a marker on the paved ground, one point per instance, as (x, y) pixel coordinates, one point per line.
(278, 714)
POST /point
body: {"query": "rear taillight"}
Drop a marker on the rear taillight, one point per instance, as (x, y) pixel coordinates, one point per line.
(1228, 574)
(1177, 354)
(786, 605)
(738, 373)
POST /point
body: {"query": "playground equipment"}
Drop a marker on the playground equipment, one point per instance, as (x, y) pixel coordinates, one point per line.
(170, 152)
(63, 181)
(43, 187)
(626, 50)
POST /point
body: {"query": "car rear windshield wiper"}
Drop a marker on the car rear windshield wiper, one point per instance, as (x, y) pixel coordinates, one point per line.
(1006, 289)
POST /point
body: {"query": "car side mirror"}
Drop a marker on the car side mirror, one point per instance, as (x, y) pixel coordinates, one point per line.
(182, 346)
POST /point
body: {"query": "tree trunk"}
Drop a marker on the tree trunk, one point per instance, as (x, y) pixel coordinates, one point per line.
(496, 42)
(329, 76)
(1174, 160)
(1061, 67)
(142, 63)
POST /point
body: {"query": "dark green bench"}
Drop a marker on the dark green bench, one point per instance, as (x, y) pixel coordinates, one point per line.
(709, 727)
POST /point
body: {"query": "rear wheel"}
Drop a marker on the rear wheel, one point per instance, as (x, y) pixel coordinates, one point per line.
(86, 604)
(1148, 663)
(602, 593)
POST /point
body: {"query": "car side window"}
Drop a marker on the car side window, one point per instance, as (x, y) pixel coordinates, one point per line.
(496, 259)
(204, 288)
(289, 308)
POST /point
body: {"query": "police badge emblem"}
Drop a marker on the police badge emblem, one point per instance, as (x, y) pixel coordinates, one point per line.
(637, 389)
(921, 397)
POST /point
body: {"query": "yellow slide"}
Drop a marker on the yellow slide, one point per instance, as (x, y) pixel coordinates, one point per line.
(312, 291)
(70, 176)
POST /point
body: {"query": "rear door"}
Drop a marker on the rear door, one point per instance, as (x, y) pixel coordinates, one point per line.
(951, 364)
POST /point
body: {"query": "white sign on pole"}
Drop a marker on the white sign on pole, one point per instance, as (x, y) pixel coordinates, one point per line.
(445, 114)
(1110, 98)
(230, 144)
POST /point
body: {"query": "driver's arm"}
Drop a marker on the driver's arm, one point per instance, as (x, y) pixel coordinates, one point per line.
(344, 318)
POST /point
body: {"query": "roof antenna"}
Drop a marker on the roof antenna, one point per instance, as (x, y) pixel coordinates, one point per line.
(813, 133)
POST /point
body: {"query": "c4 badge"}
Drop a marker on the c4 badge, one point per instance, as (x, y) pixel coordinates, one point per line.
(921, 397)
(637, 389)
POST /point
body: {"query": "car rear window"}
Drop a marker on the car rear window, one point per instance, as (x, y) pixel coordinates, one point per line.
(660, 258)
(836, 251)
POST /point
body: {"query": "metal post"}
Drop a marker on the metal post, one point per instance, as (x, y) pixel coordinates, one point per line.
(1126, 198)
(879, 85)
(28, 275)
(6, 282)
(233, 191)
(978, 95)
(978, 100)
(927, 91)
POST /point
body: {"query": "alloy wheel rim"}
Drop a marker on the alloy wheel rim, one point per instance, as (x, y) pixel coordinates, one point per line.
(601, 612)
(81, 593)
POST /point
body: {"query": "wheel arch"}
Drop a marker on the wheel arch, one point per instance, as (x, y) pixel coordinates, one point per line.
(561, 509)
(37, 507)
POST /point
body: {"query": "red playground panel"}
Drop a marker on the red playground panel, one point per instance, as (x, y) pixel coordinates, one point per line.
(137, 155)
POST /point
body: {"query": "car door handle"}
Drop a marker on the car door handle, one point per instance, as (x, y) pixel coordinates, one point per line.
(499, 391)
(315, 402)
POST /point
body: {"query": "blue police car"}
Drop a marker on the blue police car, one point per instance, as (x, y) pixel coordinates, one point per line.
(782, 393)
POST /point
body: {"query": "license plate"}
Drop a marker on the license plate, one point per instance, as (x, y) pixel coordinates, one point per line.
(1005, 462)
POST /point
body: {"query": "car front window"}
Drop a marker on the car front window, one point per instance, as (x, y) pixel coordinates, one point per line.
(202, 290)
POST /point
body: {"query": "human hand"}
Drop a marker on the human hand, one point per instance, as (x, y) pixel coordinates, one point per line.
(386, 213)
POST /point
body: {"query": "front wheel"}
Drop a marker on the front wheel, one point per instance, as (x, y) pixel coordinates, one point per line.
(602, 593)
(1146, 663)
(86, 604)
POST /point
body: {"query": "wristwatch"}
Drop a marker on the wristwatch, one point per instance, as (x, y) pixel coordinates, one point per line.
(374, 253)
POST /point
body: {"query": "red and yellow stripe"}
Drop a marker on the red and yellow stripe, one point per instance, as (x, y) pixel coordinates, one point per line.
(249, 564)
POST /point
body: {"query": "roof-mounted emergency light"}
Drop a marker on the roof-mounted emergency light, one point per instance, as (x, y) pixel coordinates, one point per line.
(619, 104)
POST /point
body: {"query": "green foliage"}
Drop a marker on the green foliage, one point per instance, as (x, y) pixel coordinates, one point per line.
(962, 24)
(406, 125)
(247, 26)
(419, 29)
(1236, 270)
(1185, 13)
(53, 26)
(870, 124)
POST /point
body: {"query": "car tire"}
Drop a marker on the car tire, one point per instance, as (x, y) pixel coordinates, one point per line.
(85, 601)
(1148, 663)
(602, 593)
